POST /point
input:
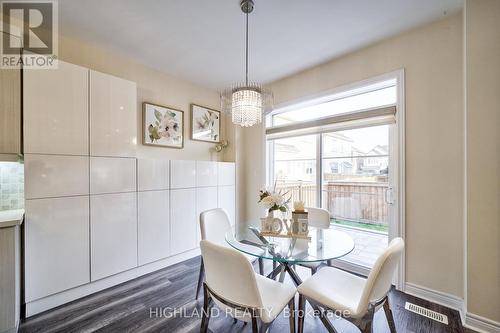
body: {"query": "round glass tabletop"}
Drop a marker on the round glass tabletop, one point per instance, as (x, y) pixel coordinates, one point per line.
(324, 245)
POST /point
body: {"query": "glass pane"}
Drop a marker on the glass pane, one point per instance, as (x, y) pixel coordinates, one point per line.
(295, 167)
(355, 166)
(380, 97)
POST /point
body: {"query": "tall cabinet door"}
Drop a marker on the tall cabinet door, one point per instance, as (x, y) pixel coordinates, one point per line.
(55, 104)
(57, 245)
(113, 116)
(113, 224)
(226, 191)
(183, 220)
(10, 110)
(206, 198)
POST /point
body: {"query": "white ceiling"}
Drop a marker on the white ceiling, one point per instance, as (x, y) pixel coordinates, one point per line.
(203, 41)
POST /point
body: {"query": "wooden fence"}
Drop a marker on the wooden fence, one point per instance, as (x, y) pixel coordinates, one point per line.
(356, 201)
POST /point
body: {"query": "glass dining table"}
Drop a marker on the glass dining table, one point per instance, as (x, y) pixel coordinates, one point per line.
(324, 245)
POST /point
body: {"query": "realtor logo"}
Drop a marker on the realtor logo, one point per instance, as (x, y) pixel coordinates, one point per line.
(29, 34)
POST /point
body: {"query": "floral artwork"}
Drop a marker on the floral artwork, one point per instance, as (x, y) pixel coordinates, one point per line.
(163, 126)
(205, 124)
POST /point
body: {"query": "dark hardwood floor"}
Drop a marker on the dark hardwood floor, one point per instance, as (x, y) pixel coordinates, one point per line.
(149, 304)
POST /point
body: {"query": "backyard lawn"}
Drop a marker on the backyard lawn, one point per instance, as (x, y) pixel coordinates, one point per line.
(366, 226)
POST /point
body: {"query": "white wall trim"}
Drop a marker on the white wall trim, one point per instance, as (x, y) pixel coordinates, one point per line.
(438, 297)
(49, 302)
(481, 324)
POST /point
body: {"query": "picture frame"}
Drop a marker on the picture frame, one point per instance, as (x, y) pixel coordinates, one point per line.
(205, 124)
(162, 126)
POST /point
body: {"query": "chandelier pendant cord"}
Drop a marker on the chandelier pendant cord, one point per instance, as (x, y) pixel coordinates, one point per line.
(246, 52)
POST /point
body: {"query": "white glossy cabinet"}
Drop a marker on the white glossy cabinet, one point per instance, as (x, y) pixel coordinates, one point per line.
(182, 174)
(55, 175)
(113, 225)
(206, 173)
(113, 116)
(153, 225)
(227, 200)
(227, 173)
(56, 245)
(112, 175)
(206, 198)
(183, 220)
(55, 106)
(153, 174)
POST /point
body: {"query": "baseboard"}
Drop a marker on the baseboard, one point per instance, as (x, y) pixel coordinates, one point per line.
(52, 301)
(481, 324)
(438, 297)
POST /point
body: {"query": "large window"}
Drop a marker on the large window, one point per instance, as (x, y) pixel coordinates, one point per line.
(341, 164)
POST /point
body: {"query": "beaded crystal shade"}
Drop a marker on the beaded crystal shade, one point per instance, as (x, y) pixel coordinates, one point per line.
(246, 102)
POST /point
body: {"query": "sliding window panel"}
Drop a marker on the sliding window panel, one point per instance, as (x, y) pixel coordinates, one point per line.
(55, 176)
(206, 198)
(206, 173)
(112, 175)
(153, 174)
(227, 173)
(226, 196)
(182, 174)
(113, 221)
(56, 245)
(183, 220)
(55, 110)
(153, 226)
(113, 116)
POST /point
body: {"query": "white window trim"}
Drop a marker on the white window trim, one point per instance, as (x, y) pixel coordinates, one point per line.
(347, 90)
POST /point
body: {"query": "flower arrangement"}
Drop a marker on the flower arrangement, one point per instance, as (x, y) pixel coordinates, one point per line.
(274, 200)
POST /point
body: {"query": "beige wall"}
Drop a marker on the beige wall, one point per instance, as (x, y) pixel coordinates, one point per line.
(432, 58)
(155, 87)
(483, 157)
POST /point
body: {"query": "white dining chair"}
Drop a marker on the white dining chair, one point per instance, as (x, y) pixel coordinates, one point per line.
(318, 218)
(214, 224)
(232, 285)
(355, 297)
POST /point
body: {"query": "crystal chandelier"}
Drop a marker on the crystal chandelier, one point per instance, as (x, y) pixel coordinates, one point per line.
(246, 102)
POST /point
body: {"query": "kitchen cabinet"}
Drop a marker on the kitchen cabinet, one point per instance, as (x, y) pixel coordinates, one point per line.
(153, 174)
(113, 116)
(226, 197)
(206, 173)
(112, 175)
(153, 225)
(183, 220)
(182, 174)
(113, 221)
(10, 269)
(10, 113)
(55, 110)
(206, 198)
(56, 245)
(227, 173)
(48, 176)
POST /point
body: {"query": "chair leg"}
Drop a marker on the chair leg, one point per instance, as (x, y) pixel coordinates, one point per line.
(264, 327)
(301, 313)
(200, 278)
(291, 307)
(389, 316)
(261, 266)
(255, 326)
(205, 315)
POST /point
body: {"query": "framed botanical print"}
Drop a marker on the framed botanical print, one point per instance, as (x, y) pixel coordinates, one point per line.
(163, 126)
(205, 124)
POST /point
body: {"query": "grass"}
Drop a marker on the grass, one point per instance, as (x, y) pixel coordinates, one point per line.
(366, 226)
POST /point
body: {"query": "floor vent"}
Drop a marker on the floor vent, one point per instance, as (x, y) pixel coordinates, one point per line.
(426, 313)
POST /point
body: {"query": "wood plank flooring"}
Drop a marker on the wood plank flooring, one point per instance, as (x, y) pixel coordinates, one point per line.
(163, 301)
